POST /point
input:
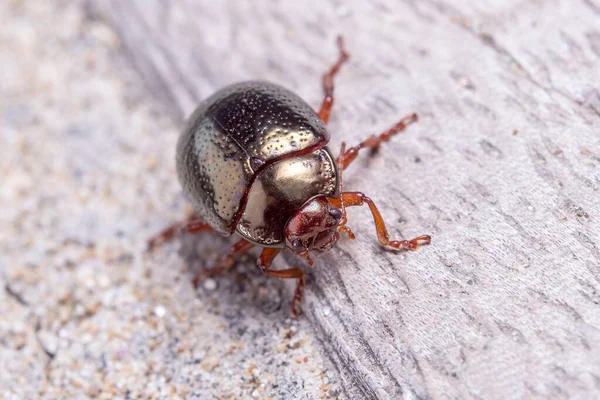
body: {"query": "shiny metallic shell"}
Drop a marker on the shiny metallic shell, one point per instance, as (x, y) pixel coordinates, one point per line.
(281, 189)
(235, 135)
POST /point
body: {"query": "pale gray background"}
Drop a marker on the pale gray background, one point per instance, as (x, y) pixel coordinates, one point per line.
(503, 170)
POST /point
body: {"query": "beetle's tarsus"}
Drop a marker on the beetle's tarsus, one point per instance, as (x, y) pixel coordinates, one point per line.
(412, 244)
(347, 156)
(348, 231)
(351, 199)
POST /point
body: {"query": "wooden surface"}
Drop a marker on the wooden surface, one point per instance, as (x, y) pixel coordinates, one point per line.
(503, 170)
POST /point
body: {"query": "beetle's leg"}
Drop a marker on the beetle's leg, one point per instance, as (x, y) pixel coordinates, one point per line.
(264, 262)
(224, 263)
(348, 231)
(191, 225)
(358, 199)
(346, 157)
(309, 260)
(327, 103)
(339, 203)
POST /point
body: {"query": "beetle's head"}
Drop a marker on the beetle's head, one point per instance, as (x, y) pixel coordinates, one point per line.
(314, 228)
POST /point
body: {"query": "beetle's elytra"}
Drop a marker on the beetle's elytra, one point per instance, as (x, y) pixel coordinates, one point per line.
(251, 156)
(254, 161)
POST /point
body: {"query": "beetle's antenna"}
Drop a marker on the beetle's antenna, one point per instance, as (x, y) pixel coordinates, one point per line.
(342, 225)
(343, 207)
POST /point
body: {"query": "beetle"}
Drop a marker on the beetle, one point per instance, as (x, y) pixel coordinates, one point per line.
(254, 161)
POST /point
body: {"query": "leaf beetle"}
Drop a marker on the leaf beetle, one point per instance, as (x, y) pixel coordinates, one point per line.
(254, 161)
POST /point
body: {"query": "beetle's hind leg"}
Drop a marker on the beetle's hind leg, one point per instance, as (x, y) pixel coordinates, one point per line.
(350, 199)
(191, 225)
(347, 156)
(264, 263)
(327, 103)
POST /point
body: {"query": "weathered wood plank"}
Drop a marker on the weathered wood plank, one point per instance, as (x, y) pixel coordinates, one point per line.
(502, 169)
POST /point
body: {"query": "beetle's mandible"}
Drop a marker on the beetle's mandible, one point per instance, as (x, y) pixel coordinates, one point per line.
(254, 162)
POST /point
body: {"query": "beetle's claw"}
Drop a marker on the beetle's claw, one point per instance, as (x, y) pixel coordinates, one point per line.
(348, 231)
(421, 241)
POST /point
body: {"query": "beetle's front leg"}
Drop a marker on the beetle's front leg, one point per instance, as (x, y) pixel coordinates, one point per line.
(358, 199)
(347, 156)
(264, 263)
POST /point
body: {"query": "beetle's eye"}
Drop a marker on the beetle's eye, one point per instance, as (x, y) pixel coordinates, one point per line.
(297, 246)
(336, 213)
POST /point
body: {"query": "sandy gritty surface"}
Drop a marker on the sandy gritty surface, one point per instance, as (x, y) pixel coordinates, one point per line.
(87, 175)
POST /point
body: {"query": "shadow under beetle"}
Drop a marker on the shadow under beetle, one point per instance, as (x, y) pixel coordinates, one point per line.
(254, 161)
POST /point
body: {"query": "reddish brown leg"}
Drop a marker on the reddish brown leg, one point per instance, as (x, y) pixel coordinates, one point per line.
(224, 263)
(191, 225)
(351, 199)
(264, 262)
(347, 230)
(327, 103)
(346, 157)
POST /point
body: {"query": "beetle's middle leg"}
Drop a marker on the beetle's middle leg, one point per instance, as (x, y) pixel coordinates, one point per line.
(225, 262)
(347, 156)
(350, 199)
(264, 262)
(327, 103)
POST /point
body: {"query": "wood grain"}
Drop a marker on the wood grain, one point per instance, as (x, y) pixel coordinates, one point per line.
(503, 170)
